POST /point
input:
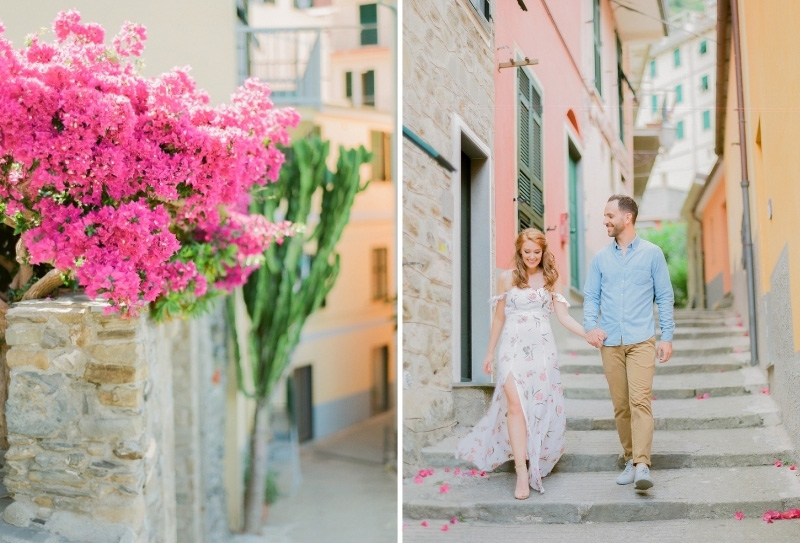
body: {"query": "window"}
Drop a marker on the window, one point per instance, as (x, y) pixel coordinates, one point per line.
(348, 85)
(676, 55)
(704, 83)
(703, 47)
(381, 156)
(707, 120)
(380, 273)
(368, 88)
(678, 94)
(483, 7)
(679, 130)
(368, 17)
(654, 103)
(653, 68)
(530, 147)
(598, 47)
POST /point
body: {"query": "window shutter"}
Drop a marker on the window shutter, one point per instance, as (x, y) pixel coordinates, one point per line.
(368, 15)
(530, 193)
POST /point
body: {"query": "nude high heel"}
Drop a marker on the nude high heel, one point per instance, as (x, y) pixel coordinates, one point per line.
(522, 494)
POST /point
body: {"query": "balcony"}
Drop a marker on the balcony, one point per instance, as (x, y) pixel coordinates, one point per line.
(303, 66)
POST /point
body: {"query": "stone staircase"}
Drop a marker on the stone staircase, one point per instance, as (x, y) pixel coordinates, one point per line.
(718, 437)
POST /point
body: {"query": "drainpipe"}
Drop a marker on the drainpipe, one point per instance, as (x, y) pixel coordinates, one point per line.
(747, 243)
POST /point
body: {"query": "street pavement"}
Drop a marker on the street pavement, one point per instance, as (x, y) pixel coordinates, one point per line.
(348, 492)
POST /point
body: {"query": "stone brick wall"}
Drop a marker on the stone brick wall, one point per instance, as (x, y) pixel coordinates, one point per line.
(90, 423)
(447, 73)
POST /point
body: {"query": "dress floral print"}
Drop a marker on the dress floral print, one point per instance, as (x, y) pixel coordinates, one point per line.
(527, 354)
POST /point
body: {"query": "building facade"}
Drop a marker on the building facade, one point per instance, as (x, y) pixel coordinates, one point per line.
(756, 179)
(679, 86)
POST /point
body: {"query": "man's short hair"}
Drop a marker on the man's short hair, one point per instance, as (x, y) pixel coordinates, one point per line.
(626, 204)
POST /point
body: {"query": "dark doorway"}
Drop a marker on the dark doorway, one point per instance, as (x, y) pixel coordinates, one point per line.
(465, 333)
(380, 397)
(301, 402)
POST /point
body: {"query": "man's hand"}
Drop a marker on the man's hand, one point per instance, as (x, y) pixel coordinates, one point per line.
(664, 351)
(595, 337)
(488, 362)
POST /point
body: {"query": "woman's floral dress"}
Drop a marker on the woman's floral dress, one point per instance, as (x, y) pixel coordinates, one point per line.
(527, 354)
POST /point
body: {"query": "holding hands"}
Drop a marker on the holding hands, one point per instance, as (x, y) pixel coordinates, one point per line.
(595, 337)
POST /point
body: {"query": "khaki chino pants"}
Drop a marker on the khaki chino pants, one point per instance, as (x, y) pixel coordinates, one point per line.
(629, 370)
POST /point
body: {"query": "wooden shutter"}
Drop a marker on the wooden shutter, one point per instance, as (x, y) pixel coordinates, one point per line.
(368, 15)
(530, 146)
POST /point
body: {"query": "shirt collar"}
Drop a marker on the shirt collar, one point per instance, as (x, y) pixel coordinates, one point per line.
(632, 245)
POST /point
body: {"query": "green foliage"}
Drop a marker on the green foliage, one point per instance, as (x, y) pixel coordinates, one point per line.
(299, 273)
(671, 237)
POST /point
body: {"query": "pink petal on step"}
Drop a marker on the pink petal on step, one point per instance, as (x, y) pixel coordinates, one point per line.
(418, 479)
(778, 464)
(739, 515)
(444, 489)
(457, 471)
(454, 520)
(765, 390)
(445, 527)
(424, 524)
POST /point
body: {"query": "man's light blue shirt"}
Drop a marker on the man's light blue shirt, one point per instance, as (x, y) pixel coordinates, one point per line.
(619, 293)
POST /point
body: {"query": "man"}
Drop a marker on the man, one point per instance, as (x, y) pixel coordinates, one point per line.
(623, 280)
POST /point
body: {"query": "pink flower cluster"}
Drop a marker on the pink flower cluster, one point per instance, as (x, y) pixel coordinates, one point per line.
(110, 174)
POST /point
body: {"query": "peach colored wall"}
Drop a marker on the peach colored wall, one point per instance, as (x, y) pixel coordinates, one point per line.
(533, 35)
(715, 238)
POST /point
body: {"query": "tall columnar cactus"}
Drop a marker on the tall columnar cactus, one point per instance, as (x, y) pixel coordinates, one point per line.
(294, 279)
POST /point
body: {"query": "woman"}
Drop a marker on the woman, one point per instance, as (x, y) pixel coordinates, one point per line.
(526, 419)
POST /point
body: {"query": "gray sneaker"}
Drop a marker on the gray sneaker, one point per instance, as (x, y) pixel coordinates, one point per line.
(626, 477)
(643, 481)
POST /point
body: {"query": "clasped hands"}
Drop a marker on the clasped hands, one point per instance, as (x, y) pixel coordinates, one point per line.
(595, 337)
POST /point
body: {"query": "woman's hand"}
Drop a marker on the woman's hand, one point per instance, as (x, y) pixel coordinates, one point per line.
(488, 362)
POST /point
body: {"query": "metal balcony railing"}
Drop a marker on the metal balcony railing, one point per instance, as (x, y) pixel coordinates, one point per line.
(295, 61)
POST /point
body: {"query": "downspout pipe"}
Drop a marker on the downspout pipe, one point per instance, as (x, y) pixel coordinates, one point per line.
(747, 243)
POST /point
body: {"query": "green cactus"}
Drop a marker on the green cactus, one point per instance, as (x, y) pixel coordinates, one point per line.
(293, 281)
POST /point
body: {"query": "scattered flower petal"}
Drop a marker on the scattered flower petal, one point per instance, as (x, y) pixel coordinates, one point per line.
(704, 396)
(424, 523)
(445, 527)
(765, 390)
(454, 520)
(457, 471)
(792, 467)
(418, 479)
(739, 515)
(444, 489)
(573, 353)
(447, 470)
(778, 464)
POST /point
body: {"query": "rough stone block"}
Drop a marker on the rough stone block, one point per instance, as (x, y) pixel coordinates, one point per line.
(121, 396)
(19, 514)
(55, 336)
(129, 450)
(117, 333)
(72, 362)
(58, 476)
(43, 501)
(124, 428)
(27, 357)
(38, 405)
(114, 374)
(18, 335)
(119, 353)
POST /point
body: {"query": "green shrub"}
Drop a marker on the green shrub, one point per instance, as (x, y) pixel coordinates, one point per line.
(671, 237)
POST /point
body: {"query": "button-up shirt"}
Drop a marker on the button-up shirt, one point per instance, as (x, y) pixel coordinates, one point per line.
(619, 293)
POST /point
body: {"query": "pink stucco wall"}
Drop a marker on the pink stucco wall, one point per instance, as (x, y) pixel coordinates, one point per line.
(534, 35)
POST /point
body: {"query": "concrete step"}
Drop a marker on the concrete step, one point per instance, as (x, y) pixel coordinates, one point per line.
(599, 450)
(724, 412)
(572, 363)
(695, 493)
(670, 387)
(724, 530)
(472, 402)
(684, 347)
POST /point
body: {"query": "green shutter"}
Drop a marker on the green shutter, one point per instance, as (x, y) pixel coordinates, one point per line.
(679, 130)
(676, 57)
(652, 68)
(530, 145)
(368, 15)
(598, 65)
(368, 88)
(654, 103)
(704, 83)
(706, 119)
(348, 84)
(678, 94)
(703, 47)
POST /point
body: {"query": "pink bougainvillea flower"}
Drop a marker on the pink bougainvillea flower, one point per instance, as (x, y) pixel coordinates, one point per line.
(457, 471)
(573, 353)
(769, 516)
(445, 527)
(444, 489)
(654, 398)
(793, 467)
(418, 479)
(745, 333)
(447, 470)
(577, 373)
(424, 524)
(739, 515)
(454, 520)
(704, 396)
(473, 472)
(778, 464)
(765, 390)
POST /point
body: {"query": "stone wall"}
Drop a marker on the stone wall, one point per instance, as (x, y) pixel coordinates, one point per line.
(447, 74)
(90, 423)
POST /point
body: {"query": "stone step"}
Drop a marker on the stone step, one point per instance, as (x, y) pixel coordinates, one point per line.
(670, 387)
(724, 530)
(724, 412)
(592, 364)
(694, 493)
(685, 347)
(599, 450)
